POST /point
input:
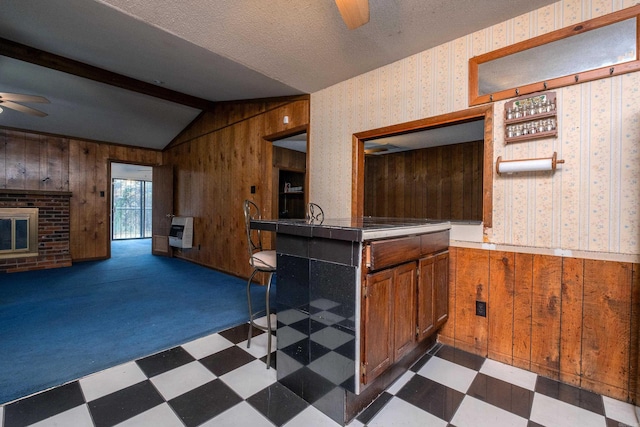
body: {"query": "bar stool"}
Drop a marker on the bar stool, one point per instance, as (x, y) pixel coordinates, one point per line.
(262, 261)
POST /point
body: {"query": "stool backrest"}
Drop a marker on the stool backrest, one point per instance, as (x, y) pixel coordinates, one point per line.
(315, 214)
(254, 237)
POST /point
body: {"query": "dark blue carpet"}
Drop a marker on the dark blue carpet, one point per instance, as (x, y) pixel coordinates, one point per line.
(61, 324)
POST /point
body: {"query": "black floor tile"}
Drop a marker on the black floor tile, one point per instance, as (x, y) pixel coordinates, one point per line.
(367, 415)
(420, 363)
(509, 397)
(205, 402)
(123, 404)
(227, 360)
(461, 357)
(240, 333)
(274, 359)
(435, 398)
(570, 394)
(277, 403)
(304, 382)
(164, 361)
(301, 326)
(43, 405)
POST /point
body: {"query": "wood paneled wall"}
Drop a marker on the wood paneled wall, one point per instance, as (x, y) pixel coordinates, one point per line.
(441, 183)
(30, 161)
(216, 162)
(570, 319)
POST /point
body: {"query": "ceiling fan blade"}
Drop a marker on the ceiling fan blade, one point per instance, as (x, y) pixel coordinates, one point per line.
(354, 12)
(18, 97)
(22, 108)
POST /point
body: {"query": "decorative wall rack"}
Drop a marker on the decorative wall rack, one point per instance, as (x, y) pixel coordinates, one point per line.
(530, 117)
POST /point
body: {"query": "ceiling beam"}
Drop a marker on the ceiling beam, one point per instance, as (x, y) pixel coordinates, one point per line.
(60, 63)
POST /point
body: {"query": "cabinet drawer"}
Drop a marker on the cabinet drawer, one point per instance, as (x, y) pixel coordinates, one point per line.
(386, 253)
(434, 242)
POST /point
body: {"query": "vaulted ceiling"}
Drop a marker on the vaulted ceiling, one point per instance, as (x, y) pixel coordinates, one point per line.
(137, 72)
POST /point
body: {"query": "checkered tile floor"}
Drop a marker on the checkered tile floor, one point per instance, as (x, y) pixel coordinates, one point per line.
(217, 381)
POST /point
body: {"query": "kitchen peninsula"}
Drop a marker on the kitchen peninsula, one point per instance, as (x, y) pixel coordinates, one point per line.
(359, 301)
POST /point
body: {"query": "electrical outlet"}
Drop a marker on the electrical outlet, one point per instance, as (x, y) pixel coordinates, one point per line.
(481, 308)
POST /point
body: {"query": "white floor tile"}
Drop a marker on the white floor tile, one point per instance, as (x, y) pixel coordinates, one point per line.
(510, 374)
(182, 379)
(400, 382)
(258, 347)
(241, 414)
(444, 372)
(476, 413)
(398, 413)
(76, 417)
(323, 304)
(111, 380)
(250, 378)
(621, 411)
(331, 338)
(206, 346)
(552, 412)
(291, 336)
(159, 416)
(262, 321)
(335, 367)
(327, 318)
(311, 417)
(287, 317)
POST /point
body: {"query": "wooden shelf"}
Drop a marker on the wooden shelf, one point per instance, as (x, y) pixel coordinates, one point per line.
(530, 118)
(529, 101)
(537, 135)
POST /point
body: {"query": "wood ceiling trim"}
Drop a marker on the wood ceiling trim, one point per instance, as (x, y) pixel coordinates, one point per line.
(56, 62)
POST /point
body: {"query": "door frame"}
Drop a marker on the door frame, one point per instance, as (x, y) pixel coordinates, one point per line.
(109, 196)
(482, 112)
(275, 176)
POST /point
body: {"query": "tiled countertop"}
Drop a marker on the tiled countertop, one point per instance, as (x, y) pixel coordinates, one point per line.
(352, 229)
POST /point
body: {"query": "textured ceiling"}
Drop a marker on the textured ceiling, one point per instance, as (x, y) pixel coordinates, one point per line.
(215, 50)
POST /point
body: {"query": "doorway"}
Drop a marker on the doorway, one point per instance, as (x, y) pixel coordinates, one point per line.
(290, 176)
(131, 201)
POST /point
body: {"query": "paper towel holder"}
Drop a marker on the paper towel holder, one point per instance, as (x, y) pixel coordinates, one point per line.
(527, 165)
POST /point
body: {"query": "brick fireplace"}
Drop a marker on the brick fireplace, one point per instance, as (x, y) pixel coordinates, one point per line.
(53, 229)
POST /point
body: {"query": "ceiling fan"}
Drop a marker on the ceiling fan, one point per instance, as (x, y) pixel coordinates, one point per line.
(355, 13)
(10, 100)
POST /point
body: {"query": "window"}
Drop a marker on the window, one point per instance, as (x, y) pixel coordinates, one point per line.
(131, 209)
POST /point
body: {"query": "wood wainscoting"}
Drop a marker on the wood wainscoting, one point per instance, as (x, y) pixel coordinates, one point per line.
(570, 319)
(41, 162)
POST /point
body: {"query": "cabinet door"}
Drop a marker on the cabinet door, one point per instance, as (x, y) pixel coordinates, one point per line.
(441, 289)
(426, 321)
(377, 353)
(404, 309)
(433, 293)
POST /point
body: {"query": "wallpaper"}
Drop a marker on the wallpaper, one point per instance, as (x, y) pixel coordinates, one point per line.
(591, 203)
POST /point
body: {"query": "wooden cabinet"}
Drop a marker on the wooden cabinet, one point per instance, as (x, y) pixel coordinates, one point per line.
(402, 304)
(404, 309)
(433, 295)
(376, 328)
(388, 318)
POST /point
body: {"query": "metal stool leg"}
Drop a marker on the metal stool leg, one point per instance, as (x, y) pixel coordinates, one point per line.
(267, 311)
(250, 309)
